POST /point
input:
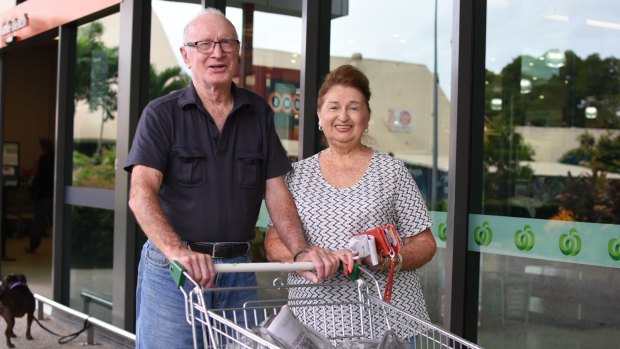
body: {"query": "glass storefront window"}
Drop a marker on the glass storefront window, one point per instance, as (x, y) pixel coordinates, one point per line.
(549, 231)
(270, 66)
(398, 57)
(93, 167)
(94, 132)
(91, 261)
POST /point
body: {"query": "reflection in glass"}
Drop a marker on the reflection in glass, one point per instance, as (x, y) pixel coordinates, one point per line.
(526, 86)
(551, 154)
(94, 135)
(555, 58)
(397, 55)
(92, 241)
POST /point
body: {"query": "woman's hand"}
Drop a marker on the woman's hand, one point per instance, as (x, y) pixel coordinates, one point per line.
(384, 263)
(347, 259)
(326, 262)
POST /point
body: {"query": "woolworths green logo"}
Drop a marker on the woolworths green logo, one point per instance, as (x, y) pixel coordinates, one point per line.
(443, 231)
(614, 249)
(525, 239)
(570, 244)
(483, 235)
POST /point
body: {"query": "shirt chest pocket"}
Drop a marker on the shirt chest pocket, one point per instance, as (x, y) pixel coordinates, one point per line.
(248, 169)
(188, 166)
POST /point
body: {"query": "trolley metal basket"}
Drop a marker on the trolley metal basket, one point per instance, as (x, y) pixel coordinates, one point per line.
(364, 317)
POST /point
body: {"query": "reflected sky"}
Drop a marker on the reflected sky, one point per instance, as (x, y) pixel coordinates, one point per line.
(539, 26)
(403, 30)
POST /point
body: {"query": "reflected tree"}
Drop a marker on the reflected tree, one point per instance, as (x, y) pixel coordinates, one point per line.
(97, 75)
(596, 197)
(97, 85)
(505, 175)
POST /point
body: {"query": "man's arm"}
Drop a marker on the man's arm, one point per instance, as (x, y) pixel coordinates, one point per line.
(144, 202)
(275, 249)
(283, 213)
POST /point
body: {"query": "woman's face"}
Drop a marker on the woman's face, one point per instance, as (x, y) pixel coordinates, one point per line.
(344, 116)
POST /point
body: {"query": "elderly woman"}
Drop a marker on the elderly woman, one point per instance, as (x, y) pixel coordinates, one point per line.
(350, 188)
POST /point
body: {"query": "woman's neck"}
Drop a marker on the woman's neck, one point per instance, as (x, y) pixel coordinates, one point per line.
(346, 152)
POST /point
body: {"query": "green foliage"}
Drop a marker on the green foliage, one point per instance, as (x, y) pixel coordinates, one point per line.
(168, 80)
(96, 71)
(603, 155)
(593, 198)
(95, 171)
(97, 75)
(504, 149)
(92, 237)
(558, 96)
(582, 154)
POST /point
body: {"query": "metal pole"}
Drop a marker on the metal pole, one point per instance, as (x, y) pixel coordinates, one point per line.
(435, 122)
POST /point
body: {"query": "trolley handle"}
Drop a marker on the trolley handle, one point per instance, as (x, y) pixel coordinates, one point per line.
(177, 271)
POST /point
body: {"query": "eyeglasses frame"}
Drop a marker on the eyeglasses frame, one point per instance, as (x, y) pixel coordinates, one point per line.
(196, 43)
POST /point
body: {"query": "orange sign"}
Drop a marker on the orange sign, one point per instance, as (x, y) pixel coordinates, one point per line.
(33, 17)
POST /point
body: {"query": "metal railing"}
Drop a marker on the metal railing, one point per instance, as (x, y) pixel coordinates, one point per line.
(96, 324)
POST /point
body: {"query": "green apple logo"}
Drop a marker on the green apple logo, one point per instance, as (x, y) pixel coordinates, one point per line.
(570, 244)
(525, 239)
(443, 231)
(483, 235)
(614, 249)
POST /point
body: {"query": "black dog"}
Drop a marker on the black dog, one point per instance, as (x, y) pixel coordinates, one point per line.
(16, 300)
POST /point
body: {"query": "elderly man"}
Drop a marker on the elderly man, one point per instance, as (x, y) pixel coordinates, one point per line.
(202, 160)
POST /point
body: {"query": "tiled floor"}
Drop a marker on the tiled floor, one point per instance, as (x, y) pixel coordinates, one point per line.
(37, 267)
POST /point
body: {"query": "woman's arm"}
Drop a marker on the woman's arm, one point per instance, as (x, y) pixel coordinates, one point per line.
(418, 250)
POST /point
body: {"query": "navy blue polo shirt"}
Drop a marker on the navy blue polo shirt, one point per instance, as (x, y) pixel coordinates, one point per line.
(213, 183)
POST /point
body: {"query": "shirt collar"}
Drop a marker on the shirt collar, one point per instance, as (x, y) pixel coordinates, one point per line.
(190, 97)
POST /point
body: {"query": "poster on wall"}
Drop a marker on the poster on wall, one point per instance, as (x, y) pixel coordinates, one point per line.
(10, 164)
(283, 96)
(399, 120)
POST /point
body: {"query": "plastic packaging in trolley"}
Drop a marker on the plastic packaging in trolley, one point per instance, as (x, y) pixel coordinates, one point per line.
(286, 328)
(365, 246)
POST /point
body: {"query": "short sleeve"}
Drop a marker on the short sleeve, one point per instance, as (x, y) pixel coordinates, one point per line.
(411, 213)
(152, 141)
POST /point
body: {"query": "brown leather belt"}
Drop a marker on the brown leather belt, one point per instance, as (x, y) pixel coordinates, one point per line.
(221, 249)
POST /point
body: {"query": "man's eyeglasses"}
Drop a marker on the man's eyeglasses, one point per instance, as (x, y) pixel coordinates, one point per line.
(207, 46)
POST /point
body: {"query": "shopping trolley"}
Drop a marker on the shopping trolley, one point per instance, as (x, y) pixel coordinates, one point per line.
(358, 319)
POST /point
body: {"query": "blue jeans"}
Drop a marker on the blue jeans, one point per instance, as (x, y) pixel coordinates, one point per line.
(160, 309)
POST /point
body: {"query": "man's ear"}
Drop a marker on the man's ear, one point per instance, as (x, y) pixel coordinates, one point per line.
(184, 56)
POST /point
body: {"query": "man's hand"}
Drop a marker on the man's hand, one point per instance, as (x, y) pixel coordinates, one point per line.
(199, 266)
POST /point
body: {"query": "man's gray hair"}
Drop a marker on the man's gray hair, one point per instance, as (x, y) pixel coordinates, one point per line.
(206, 11)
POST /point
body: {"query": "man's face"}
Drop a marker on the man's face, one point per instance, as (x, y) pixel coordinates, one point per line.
(215, 68)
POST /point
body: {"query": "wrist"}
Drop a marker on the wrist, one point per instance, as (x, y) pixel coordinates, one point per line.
(387, 263)
(300, 252)
(399, 264)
